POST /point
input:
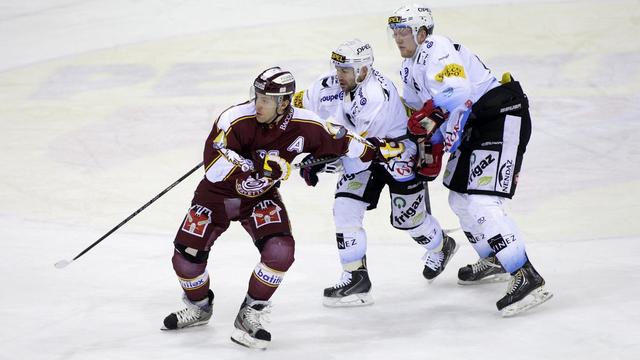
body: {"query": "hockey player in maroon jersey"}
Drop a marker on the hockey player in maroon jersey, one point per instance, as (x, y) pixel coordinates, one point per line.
(246, 156)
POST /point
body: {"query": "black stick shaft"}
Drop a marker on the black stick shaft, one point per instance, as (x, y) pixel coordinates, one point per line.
(139, 210)
(324, 160)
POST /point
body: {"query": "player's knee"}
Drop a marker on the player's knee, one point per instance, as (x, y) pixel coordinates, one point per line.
(348, 213)
(278, 252)
(189, 263)
(485, 209)
(459, 203)
(429, 232)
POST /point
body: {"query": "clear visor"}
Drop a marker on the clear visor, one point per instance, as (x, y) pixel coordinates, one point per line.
(399, 31)
(403, 30)
(333, 65)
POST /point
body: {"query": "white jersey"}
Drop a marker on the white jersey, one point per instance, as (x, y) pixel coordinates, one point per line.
(450, 75)
(372, 109)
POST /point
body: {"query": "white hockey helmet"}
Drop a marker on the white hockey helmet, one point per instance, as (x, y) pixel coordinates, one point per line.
(354, 54)
(413, 17)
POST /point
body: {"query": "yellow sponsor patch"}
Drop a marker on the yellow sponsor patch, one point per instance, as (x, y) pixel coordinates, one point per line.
(337, 57)
(297, 99)
(395, 20)
(451, 70)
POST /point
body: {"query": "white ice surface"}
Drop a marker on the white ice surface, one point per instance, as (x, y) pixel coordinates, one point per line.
(105, 103)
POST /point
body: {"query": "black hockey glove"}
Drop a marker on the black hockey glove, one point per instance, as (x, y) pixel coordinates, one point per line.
(310, 173)
(386, 149)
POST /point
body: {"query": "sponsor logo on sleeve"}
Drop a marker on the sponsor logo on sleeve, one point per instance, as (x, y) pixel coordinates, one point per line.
(451, 70)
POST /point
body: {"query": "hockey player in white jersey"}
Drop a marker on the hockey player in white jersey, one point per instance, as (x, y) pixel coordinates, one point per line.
(361, 99)
(485, 125)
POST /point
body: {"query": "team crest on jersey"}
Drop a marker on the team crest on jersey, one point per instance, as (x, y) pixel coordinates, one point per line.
(297, 145)
(197, 220)
(252, 187)
(266, 212)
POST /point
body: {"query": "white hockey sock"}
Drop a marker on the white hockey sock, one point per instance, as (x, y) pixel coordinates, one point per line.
(428, 234)
(348, 215)
(352, 246)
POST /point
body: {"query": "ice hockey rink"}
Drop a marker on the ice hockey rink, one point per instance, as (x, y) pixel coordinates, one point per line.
(106, 103)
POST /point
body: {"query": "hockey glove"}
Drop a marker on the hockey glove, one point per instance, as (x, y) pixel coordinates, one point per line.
(430, 160)
(276, 168)
(385, 149)
(310, 173)
(426, 121)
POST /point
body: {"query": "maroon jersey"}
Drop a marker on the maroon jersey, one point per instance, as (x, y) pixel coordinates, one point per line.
(236, 147)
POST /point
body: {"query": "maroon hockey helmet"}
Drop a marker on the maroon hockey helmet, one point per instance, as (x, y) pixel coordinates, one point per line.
(275, 82)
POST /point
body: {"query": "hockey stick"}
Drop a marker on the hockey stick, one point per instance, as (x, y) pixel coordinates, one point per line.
(328, 159)
(450, 230)
(63, 263)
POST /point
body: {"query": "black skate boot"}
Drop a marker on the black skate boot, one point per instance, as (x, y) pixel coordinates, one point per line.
(196, 313)
(487, 270)
(526, 290)
(249, 330)
(436, 261)
(352, 290)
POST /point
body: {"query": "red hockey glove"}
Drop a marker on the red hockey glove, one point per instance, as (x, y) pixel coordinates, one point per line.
(426, 121)
(430, 160)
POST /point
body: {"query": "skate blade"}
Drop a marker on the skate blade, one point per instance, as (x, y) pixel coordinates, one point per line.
(200, 323)
(242, 338)
(362, 299)
(535, 298)
(487, 280)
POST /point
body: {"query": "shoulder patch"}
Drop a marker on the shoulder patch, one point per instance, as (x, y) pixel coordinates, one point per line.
(297, 99)
(451, 70)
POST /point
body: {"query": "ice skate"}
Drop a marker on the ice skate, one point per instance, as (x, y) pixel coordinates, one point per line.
(436, 261)
(526, 290)
(487, 270)
(249, 330)
(353, 289)
(196, 313)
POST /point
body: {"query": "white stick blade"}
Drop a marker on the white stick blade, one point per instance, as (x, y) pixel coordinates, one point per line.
(62, 264)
